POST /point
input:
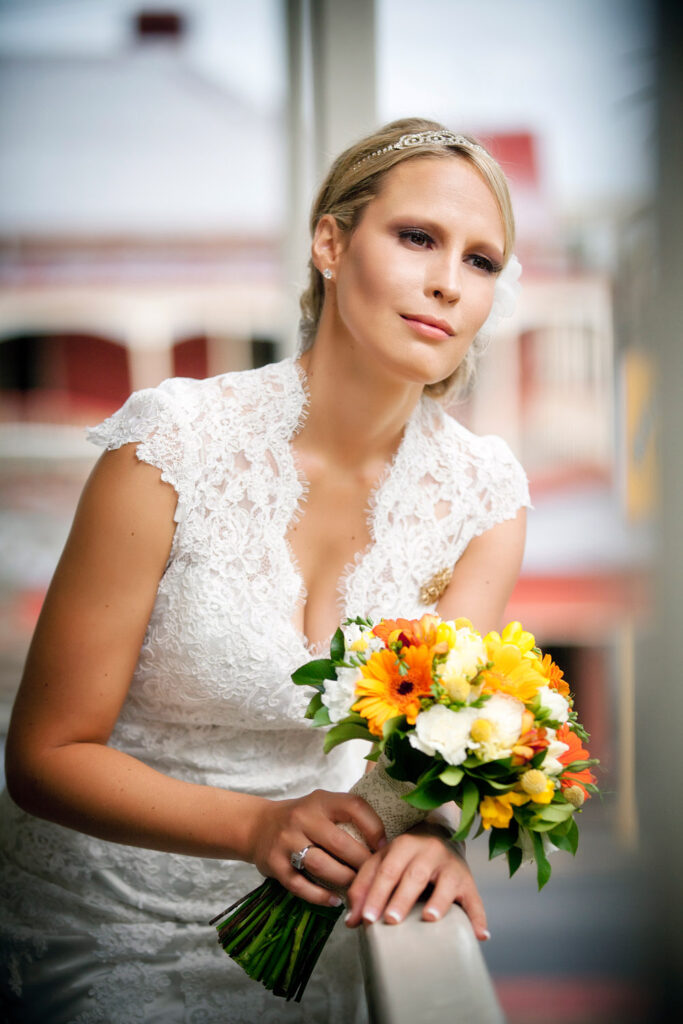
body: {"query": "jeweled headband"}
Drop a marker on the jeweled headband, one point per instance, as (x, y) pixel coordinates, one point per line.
(430, 138)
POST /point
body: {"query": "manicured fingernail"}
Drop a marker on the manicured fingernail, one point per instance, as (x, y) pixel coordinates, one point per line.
(347, 917)
(369, 915)
(487, 934)
(382, 843)
(334, 901)
(392, 915)
(432, 913)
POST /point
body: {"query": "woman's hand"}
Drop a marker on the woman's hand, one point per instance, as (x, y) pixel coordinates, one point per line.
(285, 827)
(390, 882)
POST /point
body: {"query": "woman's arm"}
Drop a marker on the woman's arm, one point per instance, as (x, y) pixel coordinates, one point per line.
(485, 574)
(77, 676)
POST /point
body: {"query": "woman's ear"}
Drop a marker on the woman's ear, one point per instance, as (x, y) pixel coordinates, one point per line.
(328, 244)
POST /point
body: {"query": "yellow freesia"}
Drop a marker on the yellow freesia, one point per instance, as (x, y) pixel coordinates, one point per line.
(511, 672)
(521, 638)
(496, 811)
(445, 634)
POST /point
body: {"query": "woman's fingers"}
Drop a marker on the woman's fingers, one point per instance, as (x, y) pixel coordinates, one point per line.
(355, 810)
(390, 883)
(286, 827)
(301, 886)
(320, 865)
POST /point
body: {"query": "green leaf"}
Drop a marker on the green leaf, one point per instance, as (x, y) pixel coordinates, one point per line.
(514, 857)
(428, 796)
(559, 837)
(314, 704)
(407, 762)
(337, 649)
(500, 841)
(345, 731)
(322, 716)
(470, 802)
(314, 672)
(374, 755)
(504, 786)
(538, 759)
(543, 868)
(452, 775)
(392, 725)
(554, 812)
(573, 836)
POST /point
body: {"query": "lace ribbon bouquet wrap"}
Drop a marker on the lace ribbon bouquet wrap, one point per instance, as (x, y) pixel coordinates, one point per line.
(485, 722)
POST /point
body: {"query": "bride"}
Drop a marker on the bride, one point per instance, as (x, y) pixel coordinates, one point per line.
(158, 757)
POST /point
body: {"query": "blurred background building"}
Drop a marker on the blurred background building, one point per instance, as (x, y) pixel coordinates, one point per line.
(156, 165)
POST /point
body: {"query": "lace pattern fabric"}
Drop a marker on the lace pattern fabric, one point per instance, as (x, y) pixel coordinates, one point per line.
(211, 699)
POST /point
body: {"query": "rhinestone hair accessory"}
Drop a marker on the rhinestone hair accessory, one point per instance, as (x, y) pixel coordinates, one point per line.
(430, 138)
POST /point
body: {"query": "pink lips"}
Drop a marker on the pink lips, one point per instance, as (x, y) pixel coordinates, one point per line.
(429, 326)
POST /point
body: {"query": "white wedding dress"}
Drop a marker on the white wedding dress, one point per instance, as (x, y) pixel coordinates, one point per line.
(92, 931)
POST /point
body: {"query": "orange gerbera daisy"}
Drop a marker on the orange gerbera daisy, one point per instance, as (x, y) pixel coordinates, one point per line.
(575, 753)
(384, 693)
(411, 632)
(555, 676)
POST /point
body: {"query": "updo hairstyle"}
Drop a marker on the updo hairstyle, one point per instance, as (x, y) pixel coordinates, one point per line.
(353, 181)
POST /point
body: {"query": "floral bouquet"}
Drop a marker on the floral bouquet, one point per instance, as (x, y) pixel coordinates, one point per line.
(486, 722)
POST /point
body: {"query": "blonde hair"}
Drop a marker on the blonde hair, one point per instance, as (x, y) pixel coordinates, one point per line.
(353, 181)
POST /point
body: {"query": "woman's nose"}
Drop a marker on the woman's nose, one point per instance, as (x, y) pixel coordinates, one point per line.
(445, 280)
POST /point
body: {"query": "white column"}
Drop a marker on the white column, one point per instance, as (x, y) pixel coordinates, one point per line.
(331, 68)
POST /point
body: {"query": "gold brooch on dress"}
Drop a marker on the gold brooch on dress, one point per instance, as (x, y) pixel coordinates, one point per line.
(434, 588)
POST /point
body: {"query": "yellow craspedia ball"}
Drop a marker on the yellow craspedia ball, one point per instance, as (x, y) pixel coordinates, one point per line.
(575, 795)
(534, 782)
(481, 730)
(456, 687)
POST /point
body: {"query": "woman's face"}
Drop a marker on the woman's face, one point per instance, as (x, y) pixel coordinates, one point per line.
(414, 281)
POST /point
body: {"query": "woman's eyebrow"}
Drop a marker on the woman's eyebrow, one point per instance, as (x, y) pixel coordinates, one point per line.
(435, 227)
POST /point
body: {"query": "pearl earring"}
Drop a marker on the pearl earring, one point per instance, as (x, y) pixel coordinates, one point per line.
(327, 274)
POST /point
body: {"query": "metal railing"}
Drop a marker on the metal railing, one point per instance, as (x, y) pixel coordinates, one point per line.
(427, 971)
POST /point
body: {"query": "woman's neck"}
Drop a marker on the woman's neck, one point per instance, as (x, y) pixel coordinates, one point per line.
(356, 414)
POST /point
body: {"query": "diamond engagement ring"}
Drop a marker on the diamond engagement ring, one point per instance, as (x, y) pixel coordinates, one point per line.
(297, 859)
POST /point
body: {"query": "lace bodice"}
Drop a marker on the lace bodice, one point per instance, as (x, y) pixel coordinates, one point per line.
(211, 700)
(220, 637)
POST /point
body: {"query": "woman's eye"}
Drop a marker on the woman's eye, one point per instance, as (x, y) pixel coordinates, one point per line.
(416, 237)
(484, 263)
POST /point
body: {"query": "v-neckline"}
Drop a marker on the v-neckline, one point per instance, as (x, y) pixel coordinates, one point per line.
(319, 647)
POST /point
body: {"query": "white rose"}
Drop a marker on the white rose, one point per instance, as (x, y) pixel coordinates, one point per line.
(504, 712)
(555, 703)
(340, 693)
(440, 730)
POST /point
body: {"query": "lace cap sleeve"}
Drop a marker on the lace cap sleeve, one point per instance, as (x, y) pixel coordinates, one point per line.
(154, 420)
(503, 487)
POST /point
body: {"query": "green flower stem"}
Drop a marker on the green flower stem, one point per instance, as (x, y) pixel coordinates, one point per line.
(296, 945)
(272, 973)
(264, 934)
(247, 925)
